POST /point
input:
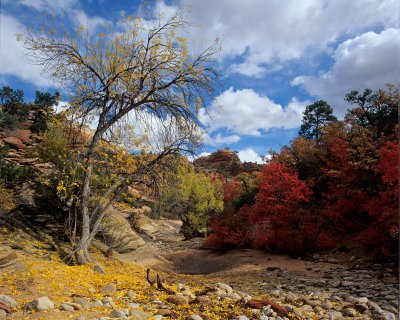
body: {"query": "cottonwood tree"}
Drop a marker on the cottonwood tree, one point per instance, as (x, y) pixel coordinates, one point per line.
(140, 68)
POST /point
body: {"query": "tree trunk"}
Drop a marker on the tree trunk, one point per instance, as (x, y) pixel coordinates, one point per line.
(81, 250)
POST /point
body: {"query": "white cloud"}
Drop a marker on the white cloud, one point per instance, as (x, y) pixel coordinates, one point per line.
(247, 112)
(13, 60)
(370, 60)
(50, 5)
(90, 23)
(266, 33)
(249, 155)
(219, 139)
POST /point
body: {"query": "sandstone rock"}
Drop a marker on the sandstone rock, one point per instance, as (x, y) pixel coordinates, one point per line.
(3, 314)
(194, 317)
(131, 295)
(97, 303)
(228, 289)
(76, 306)
(82, 301)
(14, 142)
(119, 314)
(335, 315)
(40, 304)
(109, 289)
(22, 135)
(164, 312)
(66, 307)
(139, 315)
(107, 300)
(8, 301)
(349, 312)
(178, 299)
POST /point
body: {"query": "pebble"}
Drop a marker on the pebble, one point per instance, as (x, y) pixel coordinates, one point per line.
(117, 314)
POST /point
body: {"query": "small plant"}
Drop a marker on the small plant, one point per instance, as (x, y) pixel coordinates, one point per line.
(7, 121)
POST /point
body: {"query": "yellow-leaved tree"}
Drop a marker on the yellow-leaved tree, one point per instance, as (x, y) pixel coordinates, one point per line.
(136, 71)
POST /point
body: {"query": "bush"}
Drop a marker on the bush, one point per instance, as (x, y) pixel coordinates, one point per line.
(7, 121)
(6, 199)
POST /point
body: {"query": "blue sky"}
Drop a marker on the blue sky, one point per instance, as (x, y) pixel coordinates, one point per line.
(276, 57)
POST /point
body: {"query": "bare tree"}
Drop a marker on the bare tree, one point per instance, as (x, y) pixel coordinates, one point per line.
(136, 67)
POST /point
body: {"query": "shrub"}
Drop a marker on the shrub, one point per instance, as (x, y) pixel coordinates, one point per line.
(6, 199)
(7, 121)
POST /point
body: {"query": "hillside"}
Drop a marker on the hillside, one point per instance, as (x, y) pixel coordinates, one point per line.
(225, 162)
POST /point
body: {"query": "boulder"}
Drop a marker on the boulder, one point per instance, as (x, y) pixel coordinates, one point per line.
(224, 287)
(118, 314)
(109, 289)
(22, 135)
(82, 301)
(178, 299)
(66, 307)
(14, 142)
(40, 304)
(8, 301)
(139, 315)
(194, 317)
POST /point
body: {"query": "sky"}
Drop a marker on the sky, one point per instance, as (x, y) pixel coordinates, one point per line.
(276, 57)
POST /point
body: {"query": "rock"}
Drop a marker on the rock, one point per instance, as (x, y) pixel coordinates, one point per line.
(81, 318)
(131, 295)
(349, 312)
(8, 301)
(134, 305)
(98, 269)
(66, 307)
(327, 305)
(97, 303)
(333, 315)
(347, 283)
(5, 307)
(117, 314)
(40, 304)
(109, 289)
(3, 314)
(290, 297)
(187, 293)
(22, 135)
(76, 306)
(178, 299)
(107, 300)
(312, 303)
(157, 317)
(139, 315)
(164, 312)
(389, 316)
(14, 143)
(194, 317)
(259, 304)
(242, 317)
(82, 301)
(225, 287)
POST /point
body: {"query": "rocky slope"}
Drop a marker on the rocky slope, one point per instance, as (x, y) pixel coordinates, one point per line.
(226, 162)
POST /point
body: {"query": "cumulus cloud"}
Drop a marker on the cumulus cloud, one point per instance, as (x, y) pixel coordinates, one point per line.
(249, 155)
(370, 60)
(247, 112)
(219, 139)
(264, 33)
(13, 60)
